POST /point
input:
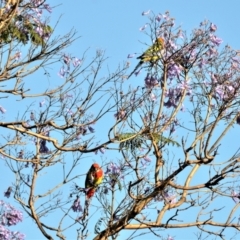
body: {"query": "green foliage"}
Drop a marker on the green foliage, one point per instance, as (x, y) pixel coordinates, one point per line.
(27, 32)
(133, 141)
(163, 140)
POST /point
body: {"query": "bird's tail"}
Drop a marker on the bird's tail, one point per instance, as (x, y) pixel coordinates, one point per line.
(135, 69)
(89, 194)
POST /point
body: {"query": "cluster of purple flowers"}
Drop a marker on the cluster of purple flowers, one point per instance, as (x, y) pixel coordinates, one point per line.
(102, 150)
(43, 143)
(113, 169)
(82, 130)
(151, 82)
(120, 115)
(76, 207)
(65, 69)
(9, 216)
(173, 95)
(114, 172)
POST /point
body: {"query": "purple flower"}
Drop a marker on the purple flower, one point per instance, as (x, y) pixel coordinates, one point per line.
(8, 192)
(6, 234)
(169, 197)
(158, 17)
(212, 52)
(146, 190)
(62, 72)
(76, 207)
(69, 111)
(173, 97)
(102, 150)
(43, 148)
(170, 238)
(151, 82)
(20, 154)
(143, 27)
(213, 27)
(131, 55)
(82, 130)
(172, 45)
(91, 129)
(46, 132)
(230, 90)
(38, 11)
(180, 34)
(66, 59)
(184, 86)
(47, 7)
(166, 16)
(146, 12)
(42, 103)
(26, 124)
(17, 56)
(153, 97)
(32, 117)
(76, 62)
(120, 115)
(220, 91)
(46, 36)
(213, 77)
(215, 40)
(10, 216)
(236, 60)
(78, 137)
(202, 62)
(174, 70)
(2, 110)
(147, 159)
(65, 96)
(116, 217)
(235, 196)
(137, 72)
(113, 168)
(39, 30)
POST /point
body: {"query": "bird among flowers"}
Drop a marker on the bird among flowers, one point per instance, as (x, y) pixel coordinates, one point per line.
(152, 54)
(93, 179)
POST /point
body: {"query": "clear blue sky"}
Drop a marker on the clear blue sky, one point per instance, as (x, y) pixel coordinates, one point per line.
(113, 25)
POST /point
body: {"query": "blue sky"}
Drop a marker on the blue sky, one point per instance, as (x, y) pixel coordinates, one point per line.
(113, 26)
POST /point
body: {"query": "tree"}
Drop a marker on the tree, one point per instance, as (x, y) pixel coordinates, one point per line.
(165, 155)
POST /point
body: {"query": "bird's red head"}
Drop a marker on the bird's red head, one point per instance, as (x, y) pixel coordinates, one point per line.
(96, 166)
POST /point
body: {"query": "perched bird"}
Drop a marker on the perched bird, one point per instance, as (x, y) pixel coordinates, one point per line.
(93, 179)
(152, 54)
